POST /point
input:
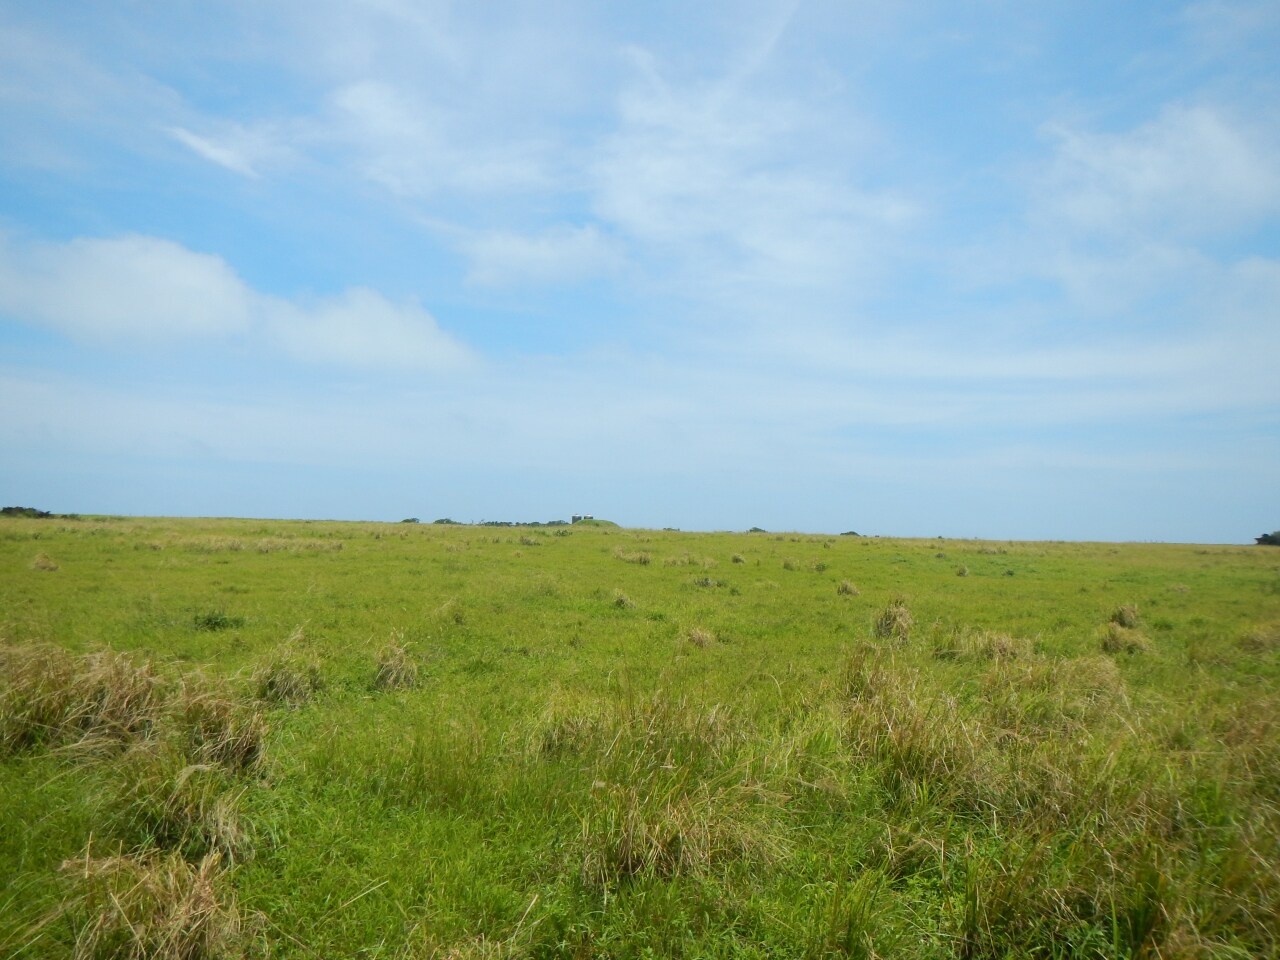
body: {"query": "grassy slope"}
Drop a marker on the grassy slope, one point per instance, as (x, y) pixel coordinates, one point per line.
(573, 775)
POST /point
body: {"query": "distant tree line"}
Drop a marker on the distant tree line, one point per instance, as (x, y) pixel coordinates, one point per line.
(1269, 539)
(520, 523)
(31, 512)
(497, 523)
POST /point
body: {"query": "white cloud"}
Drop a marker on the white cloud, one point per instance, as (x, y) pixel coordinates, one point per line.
(362, 328)
(1191, 171)
(132, 287)
(145, 289)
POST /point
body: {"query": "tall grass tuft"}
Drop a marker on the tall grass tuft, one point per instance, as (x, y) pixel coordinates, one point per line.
(895, 621)
(397, 670)
(1126, 616)
(659, 824)
(844, 925)
(289, 679)
(701, 637)
(154, 906)
(1118, 639)
(161, 801)
(981, 645)
(49, 696)
(216, 727)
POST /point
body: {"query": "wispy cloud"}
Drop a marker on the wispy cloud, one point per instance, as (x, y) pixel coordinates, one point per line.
(559, 254)
(1190, 171)
(415, 148)
(710, 175)
(238, 157)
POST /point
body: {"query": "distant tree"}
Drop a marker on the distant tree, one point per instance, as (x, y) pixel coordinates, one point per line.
(445, 520)
(410, 520)
(757, 530)
(1269, 539)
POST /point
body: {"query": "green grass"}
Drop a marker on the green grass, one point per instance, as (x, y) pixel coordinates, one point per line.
(225, 738)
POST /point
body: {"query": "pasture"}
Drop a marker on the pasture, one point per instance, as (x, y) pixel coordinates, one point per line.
(314, 739)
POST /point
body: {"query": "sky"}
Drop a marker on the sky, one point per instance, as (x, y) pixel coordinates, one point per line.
(903, 267)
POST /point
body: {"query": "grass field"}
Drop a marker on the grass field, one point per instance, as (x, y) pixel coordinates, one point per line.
(229, 737)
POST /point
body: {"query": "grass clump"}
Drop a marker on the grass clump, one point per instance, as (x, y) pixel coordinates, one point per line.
(622, 601)
(1260, 639)
(152, 906)
(638, 557)
(216, 727)
(50, 697)
(982, 645)
(1063, 697)
(214, 620)
(658, 825)
(701, 637)
(288, 679)
(847, 588)
(1126, 616)
(161, 801)
(397, 670)
(1119, 639)
(920, 747)
(44, 562)
(895, 621)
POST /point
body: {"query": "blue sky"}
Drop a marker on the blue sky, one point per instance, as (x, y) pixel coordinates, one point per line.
(911, 268)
